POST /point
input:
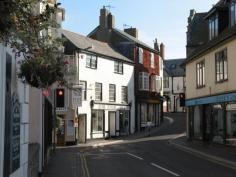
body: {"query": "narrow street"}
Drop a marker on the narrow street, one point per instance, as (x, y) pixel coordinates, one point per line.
(136, 159)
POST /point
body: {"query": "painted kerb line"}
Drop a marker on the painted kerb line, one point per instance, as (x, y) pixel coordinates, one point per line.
(164, 169)
(137, 157)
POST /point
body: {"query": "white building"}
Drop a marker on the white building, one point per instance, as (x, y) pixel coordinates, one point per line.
(107, 82)
(174, 85)
(14, 117)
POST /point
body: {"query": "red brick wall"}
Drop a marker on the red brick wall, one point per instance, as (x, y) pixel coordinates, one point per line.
(146, 66)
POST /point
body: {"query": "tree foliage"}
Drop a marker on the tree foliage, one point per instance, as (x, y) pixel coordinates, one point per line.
(26, 26)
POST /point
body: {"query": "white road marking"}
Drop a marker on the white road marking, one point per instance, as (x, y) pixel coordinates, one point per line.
(140, 158)
(164, 169)
(171, 120)
(106, 153)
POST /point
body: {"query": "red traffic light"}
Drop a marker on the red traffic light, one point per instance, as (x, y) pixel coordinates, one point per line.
(60, 93)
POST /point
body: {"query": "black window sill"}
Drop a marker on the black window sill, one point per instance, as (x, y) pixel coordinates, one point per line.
(119, 73)
(200, 87)
(90, 67)
(221, 81)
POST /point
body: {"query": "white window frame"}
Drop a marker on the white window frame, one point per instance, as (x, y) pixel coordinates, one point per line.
(140, 55)
(152, 60)
(144, 81)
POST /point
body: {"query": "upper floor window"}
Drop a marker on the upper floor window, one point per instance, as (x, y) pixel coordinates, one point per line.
(213, 27)
(152, 60)
(98, 91)
(91, 61)
(118, 67)
(200, 67)
(83, 85)
(140, 55)
(143, 81)
(221, 69)
(166, 81)
(124, 94)
(112, 92)
(156, 83)
(232, 14)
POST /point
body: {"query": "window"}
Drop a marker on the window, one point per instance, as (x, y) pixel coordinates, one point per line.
(97, 120)
(232, 14)
(156, 83)
(98, 91)
(213, 27)
(143, 81)
(166, 81)
(118, 67)
(124, 94)
(221, 66)
(152, 60)
(201, 74)
(112, 92)
(91, 61)
(140, 55)
(83, 85)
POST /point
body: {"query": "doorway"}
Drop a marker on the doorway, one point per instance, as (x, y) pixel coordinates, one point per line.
(82, 128)
(112, 123)
(124, 122)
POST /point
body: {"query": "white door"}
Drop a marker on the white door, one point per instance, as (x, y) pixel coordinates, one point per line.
(112, 123)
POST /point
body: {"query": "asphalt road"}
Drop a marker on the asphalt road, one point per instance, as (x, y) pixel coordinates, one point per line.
(143, 159)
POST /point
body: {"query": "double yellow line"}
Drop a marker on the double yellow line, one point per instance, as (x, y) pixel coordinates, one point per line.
(84, 166)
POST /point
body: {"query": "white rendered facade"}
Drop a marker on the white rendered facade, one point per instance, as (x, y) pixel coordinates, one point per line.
(105, 75)
(22, 90)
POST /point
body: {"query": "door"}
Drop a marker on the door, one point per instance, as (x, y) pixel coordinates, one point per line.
(124, 122)
(112, 123)
(82, 128)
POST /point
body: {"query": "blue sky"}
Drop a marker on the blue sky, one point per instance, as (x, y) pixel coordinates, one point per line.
(165, 20)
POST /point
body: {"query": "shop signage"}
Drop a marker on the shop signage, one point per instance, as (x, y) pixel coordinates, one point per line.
(15, 134)
(213, 99)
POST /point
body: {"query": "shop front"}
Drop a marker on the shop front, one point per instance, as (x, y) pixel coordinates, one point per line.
(213, 119)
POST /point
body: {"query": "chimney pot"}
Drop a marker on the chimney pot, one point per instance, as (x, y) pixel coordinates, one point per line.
(111, 21)
(156, 45)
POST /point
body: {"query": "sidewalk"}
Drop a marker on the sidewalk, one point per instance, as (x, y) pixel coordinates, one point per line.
(221, 154)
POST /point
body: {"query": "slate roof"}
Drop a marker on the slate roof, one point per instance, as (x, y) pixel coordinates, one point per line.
(174, 67)
(94, 46)
(133, 39)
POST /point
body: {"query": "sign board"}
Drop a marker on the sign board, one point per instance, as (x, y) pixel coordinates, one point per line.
(76, 97)
(15, 134)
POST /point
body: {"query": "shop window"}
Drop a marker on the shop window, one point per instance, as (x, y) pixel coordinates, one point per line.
(197, 122)
(144, 116)
(231, 124)
(218, 127)
(97, 120)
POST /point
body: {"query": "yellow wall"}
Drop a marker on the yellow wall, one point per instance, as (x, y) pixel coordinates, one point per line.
(211, 87)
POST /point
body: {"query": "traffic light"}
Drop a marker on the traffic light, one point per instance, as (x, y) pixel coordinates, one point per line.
(60, 98)
(182, 99)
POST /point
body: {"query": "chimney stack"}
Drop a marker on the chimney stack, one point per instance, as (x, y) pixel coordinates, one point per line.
(192, 13)
(162, 51)
(132, 31)
(111, 21)
(103, 18)
(156, 45)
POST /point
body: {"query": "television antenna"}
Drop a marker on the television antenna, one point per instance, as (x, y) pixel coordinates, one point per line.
(109, 7)
(126, 26)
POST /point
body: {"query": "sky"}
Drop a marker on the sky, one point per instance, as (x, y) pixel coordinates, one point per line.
(165, 20)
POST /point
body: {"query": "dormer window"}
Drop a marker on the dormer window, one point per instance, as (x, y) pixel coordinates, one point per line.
(213, 27)
(232, 14)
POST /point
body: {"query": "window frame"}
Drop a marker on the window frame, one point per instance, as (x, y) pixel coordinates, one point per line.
(84, 90)
(152, 60)
(144, 79)
(232, 13)
(213, 26)
(97, 111)
(220, 59)
(124, 95)
(89, 63)
(140, 55)
(96, 83)
(119, 66)
(200, 74)
(112, 94)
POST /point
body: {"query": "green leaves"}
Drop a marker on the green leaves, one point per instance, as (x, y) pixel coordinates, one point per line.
(28, 28)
